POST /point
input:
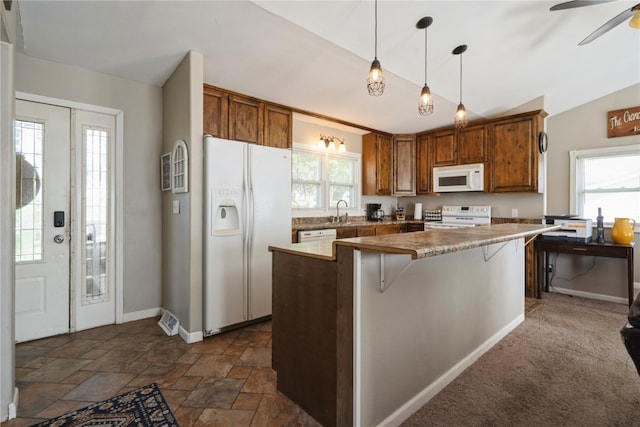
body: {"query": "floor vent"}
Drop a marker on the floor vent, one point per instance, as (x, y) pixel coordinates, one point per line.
(169, 323)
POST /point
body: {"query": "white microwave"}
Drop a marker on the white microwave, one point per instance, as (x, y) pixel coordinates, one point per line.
(449, 179)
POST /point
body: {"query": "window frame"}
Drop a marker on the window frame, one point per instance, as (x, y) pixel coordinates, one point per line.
(325, 155)
(576, 166)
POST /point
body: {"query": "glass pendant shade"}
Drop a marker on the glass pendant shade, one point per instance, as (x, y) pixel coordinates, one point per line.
(461, 116)
(461, 113)
(425, 103)
(375, 82)
(342, 147)
(634, 22)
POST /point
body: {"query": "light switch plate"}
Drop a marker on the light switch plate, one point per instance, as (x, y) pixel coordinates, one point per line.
(176, 207)
(514, 213)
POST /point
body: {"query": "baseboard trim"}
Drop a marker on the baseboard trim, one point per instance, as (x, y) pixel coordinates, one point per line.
(13, 406)
(142, 314)
(420, 399)
(190, 337)
(591, 295)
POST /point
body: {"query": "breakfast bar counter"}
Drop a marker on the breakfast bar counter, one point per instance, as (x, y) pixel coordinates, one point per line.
(366, 330)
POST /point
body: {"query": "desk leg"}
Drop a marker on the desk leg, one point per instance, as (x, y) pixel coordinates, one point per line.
(546, 271)
(630, 274)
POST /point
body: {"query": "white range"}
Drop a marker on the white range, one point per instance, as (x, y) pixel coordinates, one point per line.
(461, 216)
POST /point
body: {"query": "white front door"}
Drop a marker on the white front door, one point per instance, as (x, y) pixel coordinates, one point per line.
(43, 199)
(64, 220)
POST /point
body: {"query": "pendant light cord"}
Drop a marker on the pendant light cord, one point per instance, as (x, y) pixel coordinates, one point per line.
(425, 56)
(460, 78)
(375, 31)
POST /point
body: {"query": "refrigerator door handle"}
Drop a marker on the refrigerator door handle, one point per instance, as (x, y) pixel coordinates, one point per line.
(246, 253)
(250, 227)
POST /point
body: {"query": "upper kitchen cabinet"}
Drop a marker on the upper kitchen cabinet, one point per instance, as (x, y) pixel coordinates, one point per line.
(245, 119)
(241, 118)
(278, 125)
(515, 158)
(377, 161)
(444, 147)
(404, 165)
(460, 146)
(216, 112)
(423, 165)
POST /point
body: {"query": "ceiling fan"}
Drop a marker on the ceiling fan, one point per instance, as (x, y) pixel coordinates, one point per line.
(633, 13)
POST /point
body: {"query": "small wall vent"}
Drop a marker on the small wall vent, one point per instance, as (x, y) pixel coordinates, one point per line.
(169, 323)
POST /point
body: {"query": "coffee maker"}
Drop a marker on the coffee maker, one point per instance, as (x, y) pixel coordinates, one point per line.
(373, 212)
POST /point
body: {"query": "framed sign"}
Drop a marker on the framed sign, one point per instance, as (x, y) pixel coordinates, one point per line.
(165, 172)
(623, 122)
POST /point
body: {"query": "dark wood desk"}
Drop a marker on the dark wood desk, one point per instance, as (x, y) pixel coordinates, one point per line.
(607, 249)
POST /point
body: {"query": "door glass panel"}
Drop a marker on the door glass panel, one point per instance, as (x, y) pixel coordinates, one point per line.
(96, 215)
(29, 167)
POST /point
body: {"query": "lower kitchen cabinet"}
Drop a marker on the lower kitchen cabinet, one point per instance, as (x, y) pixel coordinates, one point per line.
(345, 232)
(388, 229)
(368, 230)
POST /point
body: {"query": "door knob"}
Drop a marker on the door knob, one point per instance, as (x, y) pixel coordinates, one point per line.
(58, 238)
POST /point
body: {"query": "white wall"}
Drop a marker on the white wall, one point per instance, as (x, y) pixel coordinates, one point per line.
(7, 227)
(142, 107)
(8, 24)
(182, 256)
(580, 128)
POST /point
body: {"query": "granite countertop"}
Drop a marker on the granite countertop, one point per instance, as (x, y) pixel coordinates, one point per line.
(420, 244)
(351, 223)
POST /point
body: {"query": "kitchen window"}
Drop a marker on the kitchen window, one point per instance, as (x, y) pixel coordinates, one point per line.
(607, 178)
(320, 178)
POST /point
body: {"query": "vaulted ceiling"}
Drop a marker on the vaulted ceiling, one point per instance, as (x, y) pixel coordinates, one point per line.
(315, 55)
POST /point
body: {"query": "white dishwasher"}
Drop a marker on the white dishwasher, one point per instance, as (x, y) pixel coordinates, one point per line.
(312, 235)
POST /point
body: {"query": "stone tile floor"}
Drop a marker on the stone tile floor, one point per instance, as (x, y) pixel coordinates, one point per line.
(225, 380)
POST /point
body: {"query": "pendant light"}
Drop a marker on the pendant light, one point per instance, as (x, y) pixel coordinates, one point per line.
(425, 102)
(461, 112)
(375, 82)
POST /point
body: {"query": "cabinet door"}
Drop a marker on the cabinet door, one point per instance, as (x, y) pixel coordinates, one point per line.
(387, 229)
(369, 230)
(377, 156)
(215, 112)
(472, 144)
(515, 156)
(345, 232)
(404, 165)
(424, 168)
(277, 126)
(444, 148)
(245, 119)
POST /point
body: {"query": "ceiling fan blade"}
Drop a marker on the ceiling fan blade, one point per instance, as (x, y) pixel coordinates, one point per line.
(609, 25)
(577, 3)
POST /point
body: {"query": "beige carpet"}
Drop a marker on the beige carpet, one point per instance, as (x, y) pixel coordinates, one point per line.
(565, 365)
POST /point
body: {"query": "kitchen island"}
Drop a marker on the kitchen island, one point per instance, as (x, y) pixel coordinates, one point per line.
(366, 330)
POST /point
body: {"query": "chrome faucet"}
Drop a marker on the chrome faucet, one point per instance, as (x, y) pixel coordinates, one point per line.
(338, 210)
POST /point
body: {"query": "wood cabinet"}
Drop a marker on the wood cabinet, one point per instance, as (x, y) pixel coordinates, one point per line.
(245, 119)
(515, 163)
(404, 165)
(411, 227)
(424, 163)
(242, 118)
(215, 119)
(367, 230)
(460, 146)
(444, 147)
(278, 126)
(345, 232)
(388, 229)
(377, 159)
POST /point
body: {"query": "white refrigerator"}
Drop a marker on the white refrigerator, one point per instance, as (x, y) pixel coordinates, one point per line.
(247, 208)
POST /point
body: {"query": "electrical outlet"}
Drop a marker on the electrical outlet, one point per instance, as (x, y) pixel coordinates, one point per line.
(514, 213)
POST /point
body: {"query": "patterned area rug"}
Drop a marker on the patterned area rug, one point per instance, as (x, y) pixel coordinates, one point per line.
(144, 407)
